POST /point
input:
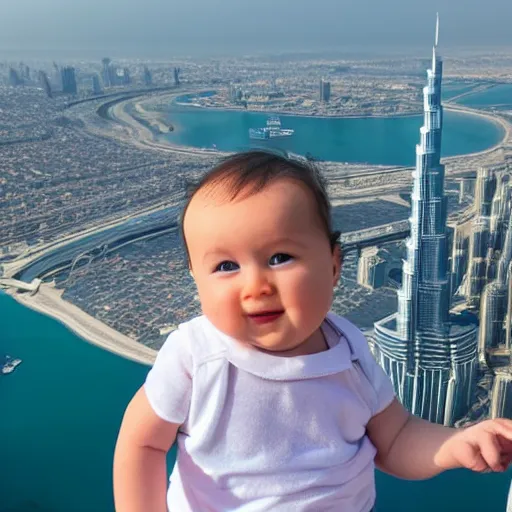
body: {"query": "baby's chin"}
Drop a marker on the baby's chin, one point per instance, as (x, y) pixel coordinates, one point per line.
(271, 343)
(278, 346)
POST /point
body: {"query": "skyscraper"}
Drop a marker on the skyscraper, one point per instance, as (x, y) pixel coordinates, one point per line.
(96, 85)
(14, 78)
(508, 318)
(45, 83)
(492, 196)
(148, 78)
(501, 395)
(106, 71)
(127, 80)
(496, 302)
(57, 78)
(177, 76)
(459, 258)
(371, 268)
(68, 80)
(429, 354)
(325, 91)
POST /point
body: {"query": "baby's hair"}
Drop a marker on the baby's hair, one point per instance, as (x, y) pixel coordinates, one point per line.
(250, 172)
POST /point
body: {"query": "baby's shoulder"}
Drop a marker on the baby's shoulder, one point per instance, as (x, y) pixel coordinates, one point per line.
(350, 331)
(199, 338)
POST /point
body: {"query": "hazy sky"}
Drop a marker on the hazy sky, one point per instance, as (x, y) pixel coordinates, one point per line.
(169, 27)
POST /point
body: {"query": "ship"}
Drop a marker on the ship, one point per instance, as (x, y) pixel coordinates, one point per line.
(271, 131)
(10, 365)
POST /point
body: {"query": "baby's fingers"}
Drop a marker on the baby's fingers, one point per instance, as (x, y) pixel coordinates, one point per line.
(490, 451)
(503, 428)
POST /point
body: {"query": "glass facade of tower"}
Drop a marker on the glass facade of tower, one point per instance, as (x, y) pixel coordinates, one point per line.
(430, 355)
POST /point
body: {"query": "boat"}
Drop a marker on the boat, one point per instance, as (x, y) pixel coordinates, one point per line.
(271, 131)
(10, 365)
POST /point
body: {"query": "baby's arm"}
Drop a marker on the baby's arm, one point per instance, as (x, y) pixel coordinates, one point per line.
(406, 445)
(409, 447)
(140, 472)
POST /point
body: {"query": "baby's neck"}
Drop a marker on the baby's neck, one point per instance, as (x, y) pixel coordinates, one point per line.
(314, 344)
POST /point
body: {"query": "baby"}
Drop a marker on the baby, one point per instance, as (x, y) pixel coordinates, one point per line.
(275, 403)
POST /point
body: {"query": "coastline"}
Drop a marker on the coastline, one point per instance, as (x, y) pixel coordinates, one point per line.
(148, 137)
(288, 113)
(48, 301)
(495, 119)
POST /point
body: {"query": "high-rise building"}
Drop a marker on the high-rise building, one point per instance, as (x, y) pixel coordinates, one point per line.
(371, 268)
(148, 78)
(96, 85)
(499, 212)
(325, 91)
(68, 80)
(105, 73)
(177, 76)
(56, 77)
(24, 72)
(484, 190)
(459, 259)
(492, 206)
(508, 318)
(476, 277)
(235, 93)
(466, 188)
(496, 302)
(14, 78)
(492, 319)
(45, 84)
(113, 76)
(127, 80)
(429, 354)
(501, 395)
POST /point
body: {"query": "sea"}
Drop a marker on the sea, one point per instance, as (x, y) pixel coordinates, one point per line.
(371, 140)
(61, 409)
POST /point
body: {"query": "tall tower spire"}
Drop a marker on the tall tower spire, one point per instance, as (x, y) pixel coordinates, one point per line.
(437, 30)
(434, 49)
(429, 354)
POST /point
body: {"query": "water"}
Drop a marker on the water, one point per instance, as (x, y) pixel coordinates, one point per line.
(61, 411)
(499, 95)
(456, 88)
(388, 141)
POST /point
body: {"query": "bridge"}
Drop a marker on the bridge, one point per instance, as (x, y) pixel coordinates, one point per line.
(357, 240)
(32, 287)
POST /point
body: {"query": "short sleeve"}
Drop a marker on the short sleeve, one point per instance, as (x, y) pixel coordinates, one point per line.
(168, 384)
(381, 383)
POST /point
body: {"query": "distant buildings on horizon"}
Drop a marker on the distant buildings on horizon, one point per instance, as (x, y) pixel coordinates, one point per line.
(325, 91)
(69, 80)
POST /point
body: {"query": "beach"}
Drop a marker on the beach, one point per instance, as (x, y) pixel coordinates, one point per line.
(48, 300)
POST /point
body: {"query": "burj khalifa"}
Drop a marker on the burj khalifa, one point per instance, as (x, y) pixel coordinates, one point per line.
(429, 354)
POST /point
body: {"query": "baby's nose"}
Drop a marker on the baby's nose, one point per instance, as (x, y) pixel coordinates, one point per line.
(257, 283)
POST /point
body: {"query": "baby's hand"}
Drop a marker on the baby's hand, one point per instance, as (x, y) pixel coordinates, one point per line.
(486, 446)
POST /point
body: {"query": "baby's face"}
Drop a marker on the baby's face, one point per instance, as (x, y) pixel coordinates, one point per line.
(263, 265)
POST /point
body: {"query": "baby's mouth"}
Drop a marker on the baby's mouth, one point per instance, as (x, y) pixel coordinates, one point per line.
(264, 317)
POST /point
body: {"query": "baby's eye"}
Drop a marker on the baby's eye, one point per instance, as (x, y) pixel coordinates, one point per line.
(279, 259)
(226, 266)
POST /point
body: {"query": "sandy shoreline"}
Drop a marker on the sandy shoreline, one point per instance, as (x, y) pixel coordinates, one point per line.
(146, 137)
(49, 301)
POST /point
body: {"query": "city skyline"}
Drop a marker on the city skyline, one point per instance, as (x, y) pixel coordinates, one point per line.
(126, 112)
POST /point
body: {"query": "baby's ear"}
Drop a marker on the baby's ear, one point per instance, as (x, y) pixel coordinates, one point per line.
(337, 254)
